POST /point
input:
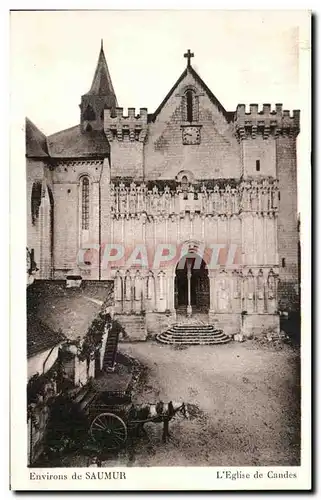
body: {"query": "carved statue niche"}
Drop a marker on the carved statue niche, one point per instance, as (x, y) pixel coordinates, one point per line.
(184, 187)
(245, 202)
(113, 201)
(223, 292)
(138, 291)
(132, 198)
(264, 197)
(117, 204)
(216, 198)
(155, 200)
(138, 285)
(260, 281)
(275, 195)
(203, 197)
(250, 289)
(161, 281)
(254, 197)
(228, 200)
(167, 200)
(235, 201)
(128, 286)
(150, 289)
(271, 292)
(122, 198)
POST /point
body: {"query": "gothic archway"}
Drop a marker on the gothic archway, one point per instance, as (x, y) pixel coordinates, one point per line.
(192, 286)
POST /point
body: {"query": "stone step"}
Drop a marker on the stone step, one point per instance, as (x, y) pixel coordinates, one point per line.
(193, 335)
(192, 331)
(134, 326)
(194, 342)
(190, 327)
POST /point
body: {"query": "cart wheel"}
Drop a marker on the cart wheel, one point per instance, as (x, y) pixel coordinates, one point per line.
(109, 430)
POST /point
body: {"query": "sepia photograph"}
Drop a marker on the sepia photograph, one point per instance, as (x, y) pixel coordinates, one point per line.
(166, 169)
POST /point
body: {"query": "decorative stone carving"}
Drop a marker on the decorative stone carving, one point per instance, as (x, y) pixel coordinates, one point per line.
(130, 201)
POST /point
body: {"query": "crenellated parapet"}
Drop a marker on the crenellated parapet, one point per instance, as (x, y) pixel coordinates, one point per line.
(136, 200)
(120, 127)
(266, 123)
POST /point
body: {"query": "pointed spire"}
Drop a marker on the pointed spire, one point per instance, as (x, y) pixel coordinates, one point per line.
(102, 84)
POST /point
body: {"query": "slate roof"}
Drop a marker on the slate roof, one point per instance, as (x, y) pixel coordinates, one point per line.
(102, 84)
(73, 143)
(55, 312)
(36, 141)
(40, 337)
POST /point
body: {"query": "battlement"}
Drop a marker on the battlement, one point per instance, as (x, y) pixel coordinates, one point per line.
(252, 121)
(132, 127)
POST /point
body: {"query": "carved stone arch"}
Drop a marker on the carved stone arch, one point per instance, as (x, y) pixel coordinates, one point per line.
(185, 173)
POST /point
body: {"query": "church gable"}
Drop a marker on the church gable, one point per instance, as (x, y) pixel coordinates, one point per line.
(191, 130)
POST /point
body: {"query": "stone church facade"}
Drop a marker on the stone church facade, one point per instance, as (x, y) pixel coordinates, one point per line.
(119, 193)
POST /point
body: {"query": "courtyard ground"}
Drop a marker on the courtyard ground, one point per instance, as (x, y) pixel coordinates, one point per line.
(243, 399)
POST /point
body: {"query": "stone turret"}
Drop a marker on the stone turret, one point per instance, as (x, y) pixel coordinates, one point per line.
(266, 122)
(120, 127)
(126, 135)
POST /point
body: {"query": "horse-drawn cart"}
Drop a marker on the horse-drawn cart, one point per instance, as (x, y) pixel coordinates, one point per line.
(112, 417)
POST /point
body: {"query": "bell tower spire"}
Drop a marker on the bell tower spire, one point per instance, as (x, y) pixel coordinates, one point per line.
(101, 96)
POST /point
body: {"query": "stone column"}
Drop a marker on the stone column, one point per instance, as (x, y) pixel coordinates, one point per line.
(189, 276)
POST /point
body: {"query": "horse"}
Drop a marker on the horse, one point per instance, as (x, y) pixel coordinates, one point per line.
(156, 413)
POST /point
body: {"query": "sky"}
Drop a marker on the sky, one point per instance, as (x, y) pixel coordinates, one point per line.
(243, 57)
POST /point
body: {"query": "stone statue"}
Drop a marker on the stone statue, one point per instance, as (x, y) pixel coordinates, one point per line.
(122, 198)
(118, 286)
(132, 198)
(138, 286)
(128, 286)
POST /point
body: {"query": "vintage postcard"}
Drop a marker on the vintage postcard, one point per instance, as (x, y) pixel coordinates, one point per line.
(160, 331)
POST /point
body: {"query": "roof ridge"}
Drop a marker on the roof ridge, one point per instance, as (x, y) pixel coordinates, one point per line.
(227, 114)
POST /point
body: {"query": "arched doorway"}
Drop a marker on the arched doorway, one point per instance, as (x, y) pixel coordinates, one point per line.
(192, 287)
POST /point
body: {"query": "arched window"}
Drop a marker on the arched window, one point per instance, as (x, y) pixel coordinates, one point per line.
(190, 106)
(85, 203)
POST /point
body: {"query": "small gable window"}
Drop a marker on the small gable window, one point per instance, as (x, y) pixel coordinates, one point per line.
(258, 165)
(190, 106)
